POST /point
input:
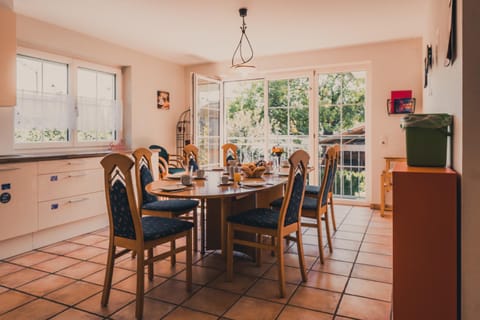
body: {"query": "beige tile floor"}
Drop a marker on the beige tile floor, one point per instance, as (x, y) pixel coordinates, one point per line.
(64, 280)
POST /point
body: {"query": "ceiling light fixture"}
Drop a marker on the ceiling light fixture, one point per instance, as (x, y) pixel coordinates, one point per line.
(240, 59)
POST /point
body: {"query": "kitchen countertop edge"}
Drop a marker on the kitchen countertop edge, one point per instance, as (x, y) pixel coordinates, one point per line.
(54, 156)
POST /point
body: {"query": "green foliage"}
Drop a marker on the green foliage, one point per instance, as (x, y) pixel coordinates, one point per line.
(341, 108)
(40, 135)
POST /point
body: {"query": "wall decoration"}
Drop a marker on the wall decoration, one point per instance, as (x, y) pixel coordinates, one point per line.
(428, 63)
(163, 100)
(401, 102)
(452, 36)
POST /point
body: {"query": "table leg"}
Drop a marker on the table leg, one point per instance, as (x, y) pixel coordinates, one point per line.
(202, 226)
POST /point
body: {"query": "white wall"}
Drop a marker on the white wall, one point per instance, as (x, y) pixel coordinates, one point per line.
(392, 65)
(144, 76)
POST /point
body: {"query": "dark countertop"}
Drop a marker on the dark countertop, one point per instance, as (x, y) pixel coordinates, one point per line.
(12, 158)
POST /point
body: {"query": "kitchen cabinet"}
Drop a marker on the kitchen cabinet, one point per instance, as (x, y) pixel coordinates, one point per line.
(8, 51)
(18, 199)
(425, 244)
(69, 190)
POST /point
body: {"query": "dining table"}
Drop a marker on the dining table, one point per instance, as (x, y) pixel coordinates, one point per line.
(219, 200)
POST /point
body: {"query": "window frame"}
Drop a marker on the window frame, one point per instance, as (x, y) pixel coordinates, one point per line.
(72, 67)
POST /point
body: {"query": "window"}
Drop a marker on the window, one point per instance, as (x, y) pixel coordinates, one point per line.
(43, 104)
(51, 111)
(96, 106)
(288, 113)
(244, 121)
(207, 115)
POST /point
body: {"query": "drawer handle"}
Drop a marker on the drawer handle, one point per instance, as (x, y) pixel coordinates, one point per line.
(76, 175)
(72, 163)
(8, 169)
(77, 200)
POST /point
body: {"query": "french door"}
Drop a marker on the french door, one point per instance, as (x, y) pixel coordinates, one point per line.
(207, 115)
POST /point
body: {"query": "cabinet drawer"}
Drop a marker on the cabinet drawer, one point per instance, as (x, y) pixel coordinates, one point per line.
(61, 211)
(18, 194)
(68, 184)
(68, 165)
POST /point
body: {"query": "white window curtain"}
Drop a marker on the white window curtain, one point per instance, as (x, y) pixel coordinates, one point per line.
(41, 117)
(98, 119)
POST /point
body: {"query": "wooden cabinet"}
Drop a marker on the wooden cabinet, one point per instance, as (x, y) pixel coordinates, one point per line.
(18, 199)
(425, 257)
(69, 190)
(8, 51)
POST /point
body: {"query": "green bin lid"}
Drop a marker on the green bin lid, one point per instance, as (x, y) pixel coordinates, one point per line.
(427, 120)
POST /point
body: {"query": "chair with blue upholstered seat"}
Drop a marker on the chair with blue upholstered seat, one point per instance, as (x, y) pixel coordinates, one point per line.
(134, 233)
(276, 224)
(150, 205)
(316, 208)
(168, 163)
(313, 191)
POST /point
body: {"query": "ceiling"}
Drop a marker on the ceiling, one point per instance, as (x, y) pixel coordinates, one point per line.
(200, 31)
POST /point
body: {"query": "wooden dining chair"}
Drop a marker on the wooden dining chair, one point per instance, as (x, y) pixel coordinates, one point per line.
(316, 208)
(150, 205)
(229, 153)
(190, 156)
(276, 224)
(131, 231)
(313, 191)
(168, 163)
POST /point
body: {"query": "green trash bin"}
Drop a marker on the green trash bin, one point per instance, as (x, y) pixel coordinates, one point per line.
(427, 139)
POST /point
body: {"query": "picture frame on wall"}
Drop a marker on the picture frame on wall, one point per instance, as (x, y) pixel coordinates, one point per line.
(163, 100)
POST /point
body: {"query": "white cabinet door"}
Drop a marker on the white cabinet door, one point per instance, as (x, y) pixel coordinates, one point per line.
(18, 199)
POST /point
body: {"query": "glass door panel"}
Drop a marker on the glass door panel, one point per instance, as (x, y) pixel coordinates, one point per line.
(341, 112)
(288, 114)
(207, 115)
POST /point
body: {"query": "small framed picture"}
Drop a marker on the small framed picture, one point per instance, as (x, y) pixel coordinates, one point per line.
(163, 100)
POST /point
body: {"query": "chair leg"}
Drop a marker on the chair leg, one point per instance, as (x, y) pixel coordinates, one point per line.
(140, 284)
(327, 229)
(202, 226)
(107, 285)
(332, 213)
(150, 264)
(189, 260)
(301, 257)
(258, 251)
(173, 256)
(229, 252)
(195, 231)
(281, 268)
(382, 194)
(320, 241)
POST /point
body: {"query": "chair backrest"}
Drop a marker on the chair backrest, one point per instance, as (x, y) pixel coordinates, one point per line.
(122, 211)
(190, 154)
(293, 200)
(143, 175)
(162, 152)
(328, 178)
(229, 153)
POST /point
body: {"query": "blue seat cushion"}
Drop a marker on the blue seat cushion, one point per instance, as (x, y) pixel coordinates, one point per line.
(309, 203)
(315, 190)
(175, 170)
(179, 205)
(157, 227)
(277, 203)
(259, 217)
